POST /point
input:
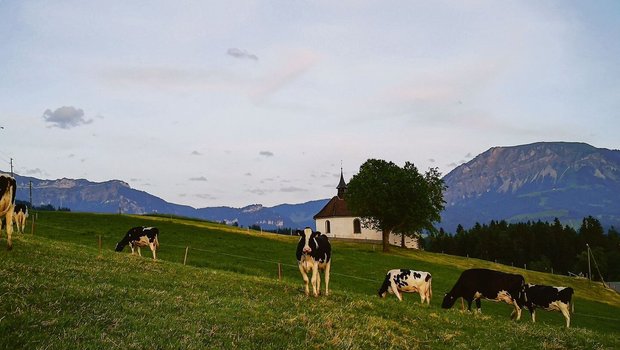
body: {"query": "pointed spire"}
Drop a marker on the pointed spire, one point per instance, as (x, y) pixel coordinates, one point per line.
(342, 186)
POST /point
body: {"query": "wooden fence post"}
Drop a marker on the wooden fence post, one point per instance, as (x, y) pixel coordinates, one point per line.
(279, 272)
(185, 258)
(34, 217)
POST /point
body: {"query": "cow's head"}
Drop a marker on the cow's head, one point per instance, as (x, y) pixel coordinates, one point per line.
(308, 237)
(448, 301)
(120, 246)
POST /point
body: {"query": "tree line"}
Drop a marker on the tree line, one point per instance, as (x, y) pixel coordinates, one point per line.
(541, 246)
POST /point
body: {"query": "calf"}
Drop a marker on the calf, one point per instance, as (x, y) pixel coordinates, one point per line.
(487, 284)
(20, 213)
(7, 204)
(314, 253)
(550, 299)
(140, 237)
(409, 281)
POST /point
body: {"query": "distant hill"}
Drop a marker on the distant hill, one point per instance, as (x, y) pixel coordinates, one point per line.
(116, 196)
(539, 181)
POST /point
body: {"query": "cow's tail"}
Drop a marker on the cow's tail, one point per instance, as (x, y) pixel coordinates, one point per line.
(385, 285)
(429, 279)
(156, 241)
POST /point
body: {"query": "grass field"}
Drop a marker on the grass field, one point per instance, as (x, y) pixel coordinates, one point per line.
(59, 291)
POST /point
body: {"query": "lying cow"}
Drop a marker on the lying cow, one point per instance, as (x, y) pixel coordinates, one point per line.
(408, 281)
(7, 204)
(550, 299)
(20, 213)
(140, 237)
(487, 284)
(314, 253)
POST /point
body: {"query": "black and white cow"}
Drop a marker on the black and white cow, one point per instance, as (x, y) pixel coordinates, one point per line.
(408, 281)
(314, 253)
(7, 204)
(475, 284)
(140, 237)
(20, 213)
(549, 298)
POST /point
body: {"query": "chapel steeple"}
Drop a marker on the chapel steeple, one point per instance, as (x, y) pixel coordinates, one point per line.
(342, 186)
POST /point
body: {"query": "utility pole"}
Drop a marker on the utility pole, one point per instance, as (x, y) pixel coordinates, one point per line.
(30, 194)
(589, 270)
(11, 167)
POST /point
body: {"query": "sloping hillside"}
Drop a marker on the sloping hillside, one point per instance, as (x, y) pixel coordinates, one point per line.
(59, 291)
(543, 181)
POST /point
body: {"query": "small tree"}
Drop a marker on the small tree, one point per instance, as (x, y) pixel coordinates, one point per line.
(389, 198)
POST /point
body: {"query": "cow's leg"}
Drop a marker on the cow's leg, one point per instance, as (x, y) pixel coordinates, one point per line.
(423, 292)
(139, 253)
(533, 312)
(9, 228)
(318, 281)
(315, 276)
(304, 275)
(327, 268)
(153, 249)
(478, 305)
(517, 310)
(395, 289)
(566, 313)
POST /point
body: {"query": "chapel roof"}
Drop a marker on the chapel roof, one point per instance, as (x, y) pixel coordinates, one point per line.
(336, 207)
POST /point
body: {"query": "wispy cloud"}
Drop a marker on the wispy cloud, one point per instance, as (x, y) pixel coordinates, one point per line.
(241, 54)
(292, 69)
(199, 178)
(292, 189)
(65, 117)
(266, 153)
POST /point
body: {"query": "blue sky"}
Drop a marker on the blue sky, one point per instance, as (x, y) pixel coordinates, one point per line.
(210, 103)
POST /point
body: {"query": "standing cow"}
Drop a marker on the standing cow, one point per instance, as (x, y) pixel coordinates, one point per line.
(314, 253)
(140, 237)
(408, 281)
(7, 204)
(493, 285)
(550, 299)
(20, 213)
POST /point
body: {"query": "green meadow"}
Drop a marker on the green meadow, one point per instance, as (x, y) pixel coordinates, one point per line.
(59, 289)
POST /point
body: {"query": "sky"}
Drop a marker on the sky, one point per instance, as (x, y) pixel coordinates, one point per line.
(232, 103)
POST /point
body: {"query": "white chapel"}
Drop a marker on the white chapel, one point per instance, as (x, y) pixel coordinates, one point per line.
(336, 221)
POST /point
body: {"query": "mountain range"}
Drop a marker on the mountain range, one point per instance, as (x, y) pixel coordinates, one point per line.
(539, 181)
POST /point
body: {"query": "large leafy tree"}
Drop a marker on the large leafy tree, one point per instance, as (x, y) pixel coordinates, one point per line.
(389, 198)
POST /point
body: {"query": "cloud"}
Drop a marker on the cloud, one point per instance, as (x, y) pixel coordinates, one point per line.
(266, 153)
(199, 178)
(241, 54)
(66, 117)
(35, 171)
(196, 153)
(295, 66)
(292, 189)
(204, 196)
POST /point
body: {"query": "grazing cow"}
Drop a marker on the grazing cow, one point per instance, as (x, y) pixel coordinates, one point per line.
(314, 253)
(21, 213)
(550, 299)
(487, 284)
(7, 204)
(409, 281)
(140, 237)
